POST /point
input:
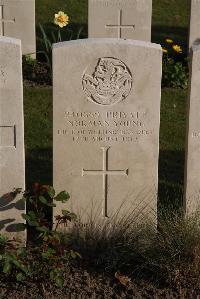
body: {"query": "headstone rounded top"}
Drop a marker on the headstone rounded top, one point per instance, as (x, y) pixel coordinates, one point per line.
(138, 43)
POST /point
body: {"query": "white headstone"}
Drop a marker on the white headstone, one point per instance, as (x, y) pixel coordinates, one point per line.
(194, 32)
(17, 19)
(106, 124)
(128, 19)
(192, 168)
(12, 161)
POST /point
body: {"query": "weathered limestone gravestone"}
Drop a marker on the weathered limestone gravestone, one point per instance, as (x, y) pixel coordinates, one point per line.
(194, 34)
(17, 19)
(128, 19)
(106, 124)
(192, 169)
(12, 162)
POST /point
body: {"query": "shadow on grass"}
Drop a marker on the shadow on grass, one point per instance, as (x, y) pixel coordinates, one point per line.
(171, 177)
(39, 166)
(178, 34)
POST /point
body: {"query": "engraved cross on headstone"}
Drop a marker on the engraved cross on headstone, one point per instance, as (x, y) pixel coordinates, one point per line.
(105, 172)
(119, 26)
(3, 21)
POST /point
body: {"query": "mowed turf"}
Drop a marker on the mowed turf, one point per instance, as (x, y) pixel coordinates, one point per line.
(38, 134)
(170, 19)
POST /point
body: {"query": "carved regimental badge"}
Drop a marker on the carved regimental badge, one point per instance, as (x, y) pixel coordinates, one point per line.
(110, 83)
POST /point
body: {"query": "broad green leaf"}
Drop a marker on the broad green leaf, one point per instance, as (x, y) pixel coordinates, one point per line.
(69, 215)
(43, 229)
(49, 253)
(59, 281)
(20, 277)
(33, 223)
(51, 205)
(63, 196)
(65, 212)
(32, 215)
(26, 217)
(43, 200)
(7, 268)
(51, 192)
(73, 254)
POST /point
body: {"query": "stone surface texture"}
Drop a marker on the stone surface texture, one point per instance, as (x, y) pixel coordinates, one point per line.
(12, 162)
(106, 125)
(17, 19)
(192, 169)
(194, 33)
(128, 19)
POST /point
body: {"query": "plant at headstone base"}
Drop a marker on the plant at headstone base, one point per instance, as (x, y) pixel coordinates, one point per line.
(57, 35)
(35, 71)
(114, 243)
(53, 248)
(175, 66)
(28, 64)
(13, 259)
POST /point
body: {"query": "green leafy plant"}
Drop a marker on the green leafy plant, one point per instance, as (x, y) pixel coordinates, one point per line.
(28, 66)
(39, 199)
(54, 246)
(175, 66)
(13, 258)
(56, 35)
(50, 249)
(35, 71)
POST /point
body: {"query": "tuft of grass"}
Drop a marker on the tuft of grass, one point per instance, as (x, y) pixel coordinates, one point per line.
(110, 243)
(168, 257)
(172, 256)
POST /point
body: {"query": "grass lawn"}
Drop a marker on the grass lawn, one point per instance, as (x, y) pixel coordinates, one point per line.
(172, 145)
(38, 134)
(170, 18)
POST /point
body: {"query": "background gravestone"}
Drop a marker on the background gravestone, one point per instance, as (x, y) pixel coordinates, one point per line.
(194, 36)
(106, 124)
(17, 19)
(130, 19)
(12, 162)
(192, 169)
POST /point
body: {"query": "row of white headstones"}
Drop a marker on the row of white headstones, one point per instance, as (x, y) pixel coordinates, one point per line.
(129, 19)
(106, 127)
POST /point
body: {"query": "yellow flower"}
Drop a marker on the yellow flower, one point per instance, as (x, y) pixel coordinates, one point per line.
(61, 19)
(177, 48)
(164, 50)
(169, 41)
